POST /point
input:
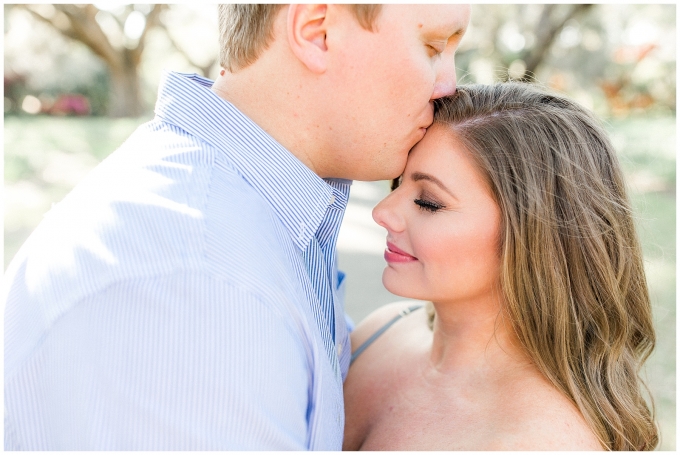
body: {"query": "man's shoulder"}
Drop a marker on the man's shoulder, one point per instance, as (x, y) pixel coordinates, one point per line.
(242, 232)
(157, 204)
(164, 201)
(203, 214)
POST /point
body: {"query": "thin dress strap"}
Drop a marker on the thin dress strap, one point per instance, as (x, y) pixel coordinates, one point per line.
(373, 337)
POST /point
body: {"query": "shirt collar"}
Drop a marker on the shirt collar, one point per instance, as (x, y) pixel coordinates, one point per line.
(299, 197)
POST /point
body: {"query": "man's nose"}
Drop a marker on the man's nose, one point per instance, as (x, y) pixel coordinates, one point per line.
(445, 83)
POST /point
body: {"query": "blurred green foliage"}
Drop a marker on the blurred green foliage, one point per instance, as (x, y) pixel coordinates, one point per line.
(646, 147)
(616, 59)
(41, 61)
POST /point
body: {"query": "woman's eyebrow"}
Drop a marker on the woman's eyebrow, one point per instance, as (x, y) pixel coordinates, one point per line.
(417, 176)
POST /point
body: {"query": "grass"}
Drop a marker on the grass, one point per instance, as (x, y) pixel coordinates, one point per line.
(46, 156)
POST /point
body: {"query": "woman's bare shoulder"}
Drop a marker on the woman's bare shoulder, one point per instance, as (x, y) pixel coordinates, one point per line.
(558, 432)
(377, 319)
(544, 419)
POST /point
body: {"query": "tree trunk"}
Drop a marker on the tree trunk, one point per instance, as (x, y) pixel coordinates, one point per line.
(124, 90)
(79, 23)
(547, 31)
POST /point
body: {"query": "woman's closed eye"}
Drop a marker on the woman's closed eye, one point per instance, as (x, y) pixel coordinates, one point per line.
(427, 205)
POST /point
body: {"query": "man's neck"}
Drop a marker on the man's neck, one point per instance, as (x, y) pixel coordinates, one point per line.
(281, 111)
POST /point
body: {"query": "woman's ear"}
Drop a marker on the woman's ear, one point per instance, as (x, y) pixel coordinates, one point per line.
(306, 29)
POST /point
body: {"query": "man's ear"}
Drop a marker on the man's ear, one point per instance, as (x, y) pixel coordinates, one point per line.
(306, 29)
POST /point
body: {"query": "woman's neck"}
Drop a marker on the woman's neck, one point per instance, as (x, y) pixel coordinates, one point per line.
(474, 338)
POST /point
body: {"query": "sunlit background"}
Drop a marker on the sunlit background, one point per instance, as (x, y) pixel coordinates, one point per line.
(78, 79)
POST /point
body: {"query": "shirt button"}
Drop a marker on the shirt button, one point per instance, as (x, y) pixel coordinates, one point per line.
(339, 349)
(332, 200)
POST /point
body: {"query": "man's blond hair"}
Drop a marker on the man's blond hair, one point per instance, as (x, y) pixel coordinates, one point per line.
(247, 30)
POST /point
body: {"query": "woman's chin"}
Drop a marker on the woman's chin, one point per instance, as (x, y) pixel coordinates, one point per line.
(398, 287)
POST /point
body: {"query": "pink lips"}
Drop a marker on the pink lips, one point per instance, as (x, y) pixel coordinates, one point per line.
(394, 254)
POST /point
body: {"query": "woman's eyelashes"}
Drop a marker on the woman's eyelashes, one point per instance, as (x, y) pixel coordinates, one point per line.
(428, 205)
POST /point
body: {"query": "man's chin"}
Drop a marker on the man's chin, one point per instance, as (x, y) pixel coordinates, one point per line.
(394, 173)
(389, 171)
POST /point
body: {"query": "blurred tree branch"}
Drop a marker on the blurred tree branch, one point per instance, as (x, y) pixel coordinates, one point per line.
(80, 23)
(204, 69)
(547, 30)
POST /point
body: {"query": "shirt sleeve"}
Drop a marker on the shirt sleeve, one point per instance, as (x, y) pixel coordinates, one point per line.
(179, 362)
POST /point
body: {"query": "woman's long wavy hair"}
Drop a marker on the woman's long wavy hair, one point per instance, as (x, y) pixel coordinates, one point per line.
(572, 269)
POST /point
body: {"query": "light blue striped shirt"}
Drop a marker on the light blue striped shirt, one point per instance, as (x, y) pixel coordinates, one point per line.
(184, 296)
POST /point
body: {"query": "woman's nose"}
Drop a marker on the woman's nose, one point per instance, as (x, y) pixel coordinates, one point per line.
(387, 215)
